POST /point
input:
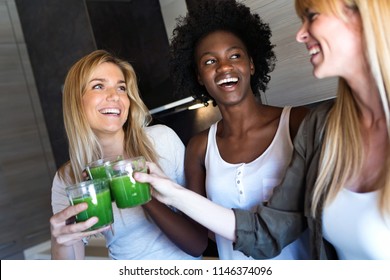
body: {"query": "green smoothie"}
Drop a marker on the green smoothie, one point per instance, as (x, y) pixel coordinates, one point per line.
(97, 169)
(128, 193)
(101, 208)
(98, 172)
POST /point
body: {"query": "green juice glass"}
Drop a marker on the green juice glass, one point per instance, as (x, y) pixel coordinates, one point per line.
(126, 191)
(96, 193)
(96, 169)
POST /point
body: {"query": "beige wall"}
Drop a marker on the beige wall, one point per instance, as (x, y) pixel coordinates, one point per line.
(292, 82)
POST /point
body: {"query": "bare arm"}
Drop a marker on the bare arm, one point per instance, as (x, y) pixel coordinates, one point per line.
(212, 216)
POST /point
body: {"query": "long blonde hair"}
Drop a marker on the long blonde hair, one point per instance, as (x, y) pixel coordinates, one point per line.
(84, 146)
(342, 155)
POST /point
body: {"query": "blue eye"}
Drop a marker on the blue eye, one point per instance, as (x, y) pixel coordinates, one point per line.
(97, 86)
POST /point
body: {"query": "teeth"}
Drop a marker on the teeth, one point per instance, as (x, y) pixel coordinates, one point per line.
(228, 80)
(314, 51)
(110, 111)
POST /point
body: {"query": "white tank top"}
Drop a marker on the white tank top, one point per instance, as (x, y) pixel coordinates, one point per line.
(353, 224)
(246, 185)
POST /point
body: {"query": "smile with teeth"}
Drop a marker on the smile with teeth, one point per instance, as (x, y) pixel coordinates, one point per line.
(227, 82)
(314, 50)
(110, 111)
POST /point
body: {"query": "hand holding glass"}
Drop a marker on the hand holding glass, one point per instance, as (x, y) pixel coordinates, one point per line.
(96, 193)
(126, 191)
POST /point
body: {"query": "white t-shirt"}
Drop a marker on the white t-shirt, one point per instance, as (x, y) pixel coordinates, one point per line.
(246, 185)
(135, 235)
(353, 224)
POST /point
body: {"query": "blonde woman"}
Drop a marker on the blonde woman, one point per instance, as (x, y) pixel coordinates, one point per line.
(105, 116)
(338, 183)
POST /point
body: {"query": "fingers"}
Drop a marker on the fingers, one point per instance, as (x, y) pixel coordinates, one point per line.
(65, 231)
(67, 214)
(153, 169)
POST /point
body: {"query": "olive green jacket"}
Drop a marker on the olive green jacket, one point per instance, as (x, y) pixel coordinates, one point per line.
(264, 233)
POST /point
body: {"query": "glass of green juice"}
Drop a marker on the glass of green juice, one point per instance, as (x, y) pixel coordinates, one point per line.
(128, 192)
(96, 169)
(96, 193)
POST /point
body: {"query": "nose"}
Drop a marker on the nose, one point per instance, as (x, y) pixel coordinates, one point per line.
(302, 34)
(224, 66)
(112, 95)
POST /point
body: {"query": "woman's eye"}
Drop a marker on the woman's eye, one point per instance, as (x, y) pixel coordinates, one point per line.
(98, 86)
(311, 16)
(122, 88)
(234, 56)
(209, 61)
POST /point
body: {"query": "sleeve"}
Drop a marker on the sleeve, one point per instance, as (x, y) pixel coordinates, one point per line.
(59, 199)
(266, 232)
(171, 151)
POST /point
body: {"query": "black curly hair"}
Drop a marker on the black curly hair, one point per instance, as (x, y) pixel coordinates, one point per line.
(210, 16)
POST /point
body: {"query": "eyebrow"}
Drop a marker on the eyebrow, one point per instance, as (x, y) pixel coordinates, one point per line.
(104, 80)
(227, 50)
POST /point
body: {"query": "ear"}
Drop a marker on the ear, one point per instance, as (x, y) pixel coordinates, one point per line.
(252, 66)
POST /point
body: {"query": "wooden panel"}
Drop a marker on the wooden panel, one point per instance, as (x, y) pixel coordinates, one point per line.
(26, 163)
(6, 35)
(292, 81)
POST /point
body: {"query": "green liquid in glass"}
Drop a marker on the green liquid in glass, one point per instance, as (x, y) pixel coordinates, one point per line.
(129, 194)
(98, 172)
(101, 208)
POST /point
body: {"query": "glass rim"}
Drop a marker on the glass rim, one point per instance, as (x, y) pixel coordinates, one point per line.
(102, 161)
(129, 160)
(85, 184)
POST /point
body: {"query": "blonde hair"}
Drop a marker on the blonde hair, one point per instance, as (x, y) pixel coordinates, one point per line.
(84, 146)
(343, 153)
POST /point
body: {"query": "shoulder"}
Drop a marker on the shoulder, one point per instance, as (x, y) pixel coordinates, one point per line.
(313, 126)
(320, 112)
(199, 139)
(297, 114)
(197, 144)
(162, 133)
(65, 173)
(159, 130)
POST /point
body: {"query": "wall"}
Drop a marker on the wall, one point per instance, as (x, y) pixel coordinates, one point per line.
(26, 163)
(292, 81)
(57, 33)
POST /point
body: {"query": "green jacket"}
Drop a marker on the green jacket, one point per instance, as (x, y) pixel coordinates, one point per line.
(264, 233)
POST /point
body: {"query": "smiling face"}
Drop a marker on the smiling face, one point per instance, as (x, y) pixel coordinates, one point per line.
(335, 45)
(105, 101)
(224, 67)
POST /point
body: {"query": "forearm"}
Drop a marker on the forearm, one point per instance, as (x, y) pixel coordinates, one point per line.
(216, 218)
(72, 252)
(185, 233)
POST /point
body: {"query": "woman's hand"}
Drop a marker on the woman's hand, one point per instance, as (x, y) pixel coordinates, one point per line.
(64, 230)
(164, 189)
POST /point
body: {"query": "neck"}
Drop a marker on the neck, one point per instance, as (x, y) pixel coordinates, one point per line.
(112, 144)
(368, 100)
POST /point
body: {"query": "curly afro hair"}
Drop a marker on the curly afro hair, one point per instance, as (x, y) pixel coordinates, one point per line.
(210, 16)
